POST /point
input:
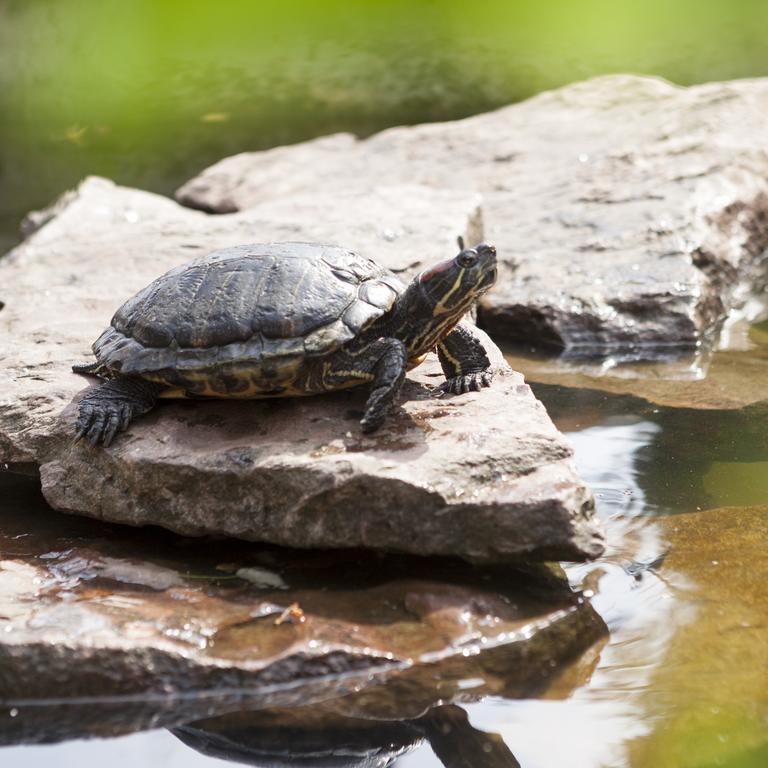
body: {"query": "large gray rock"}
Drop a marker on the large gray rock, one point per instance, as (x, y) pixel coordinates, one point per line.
(485, 476)
(101, 243)
(132, 641)
(636, 209)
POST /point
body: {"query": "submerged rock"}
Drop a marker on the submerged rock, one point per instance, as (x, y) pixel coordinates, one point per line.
(636, 209)
(485, 476)
(96, 638)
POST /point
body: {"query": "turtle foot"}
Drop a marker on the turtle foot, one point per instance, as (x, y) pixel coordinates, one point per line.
(108, 409)
(471, 382)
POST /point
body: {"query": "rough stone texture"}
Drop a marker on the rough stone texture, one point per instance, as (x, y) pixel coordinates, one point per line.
(636, 209)
(166, 638)
(485, 475)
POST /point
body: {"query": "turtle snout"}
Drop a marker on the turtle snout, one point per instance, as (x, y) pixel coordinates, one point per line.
(487, 258)
(488, 251)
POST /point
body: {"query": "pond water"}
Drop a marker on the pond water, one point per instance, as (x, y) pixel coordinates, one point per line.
(681, 680)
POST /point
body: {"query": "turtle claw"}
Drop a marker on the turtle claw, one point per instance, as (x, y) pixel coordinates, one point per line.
(126, 414)
(101, 426)
(471, 382)
(111, 426)
(370, 424)
(84, 421)
(374, 415)
(96, 430)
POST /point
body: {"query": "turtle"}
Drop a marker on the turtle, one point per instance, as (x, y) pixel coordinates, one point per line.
(281, 320)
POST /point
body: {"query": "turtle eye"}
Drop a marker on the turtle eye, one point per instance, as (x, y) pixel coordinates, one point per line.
(467, 259)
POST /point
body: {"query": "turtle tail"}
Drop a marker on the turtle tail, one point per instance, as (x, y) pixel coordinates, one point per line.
(92, 369)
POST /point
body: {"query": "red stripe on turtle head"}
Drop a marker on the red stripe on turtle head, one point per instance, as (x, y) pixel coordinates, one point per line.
(443, 266)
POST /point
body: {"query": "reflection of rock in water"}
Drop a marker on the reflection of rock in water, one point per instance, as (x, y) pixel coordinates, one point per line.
(321, 738)
(674, 448)
(263, 740)
(459, 745)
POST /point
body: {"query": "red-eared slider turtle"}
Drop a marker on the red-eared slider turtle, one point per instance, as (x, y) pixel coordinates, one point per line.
(285, 319)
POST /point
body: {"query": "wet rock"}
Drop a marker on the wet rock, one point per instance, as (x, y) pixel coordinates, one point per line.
(637, 209)
(87, 648)
(485, 476)
(727, 379)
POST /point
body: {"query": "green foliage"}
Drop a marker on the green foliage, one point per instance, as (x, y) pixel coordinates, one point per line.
(150, 91)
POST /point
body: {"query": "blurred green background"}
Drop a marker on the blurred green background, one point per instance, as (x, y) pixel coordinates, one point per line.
(149, 92)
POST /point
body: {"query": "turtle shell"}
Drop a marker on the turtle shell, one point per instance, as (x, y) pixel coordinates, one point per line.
(261, 308)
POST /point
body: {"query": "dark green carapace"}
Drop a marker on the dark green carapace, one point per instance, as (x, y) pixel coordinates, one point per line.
(285, 319)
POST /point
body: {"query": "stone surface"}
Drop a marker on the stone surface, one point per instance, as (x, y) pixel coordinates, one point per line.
(98, 637)
(485, 475)
(102, 243)
(636, 209)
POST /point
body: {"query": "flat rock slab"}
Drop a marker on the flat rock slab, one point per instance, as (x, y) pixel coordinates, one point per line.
(115, 640)
(485, 476)
(635, 209)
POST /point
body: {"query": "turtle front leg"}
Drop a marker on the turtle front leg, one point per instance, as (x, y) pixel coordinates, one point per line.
(391, 358)
(464, 361)
(382, 363)
(108, 409)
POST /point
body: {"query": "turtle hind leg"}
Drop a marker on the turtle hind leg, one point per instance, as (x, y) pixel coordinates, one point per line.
(108, 409)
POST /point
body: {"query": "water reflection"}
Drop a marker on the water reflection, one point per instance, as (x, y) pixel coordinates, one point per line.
(682, 681)
(732, 376)
(678, 468)
(326, 739)
(595, 723)
(607, 457)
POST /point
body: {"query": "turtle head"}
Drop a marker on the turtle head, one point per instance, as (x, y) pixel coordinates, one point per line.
(453, 286)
